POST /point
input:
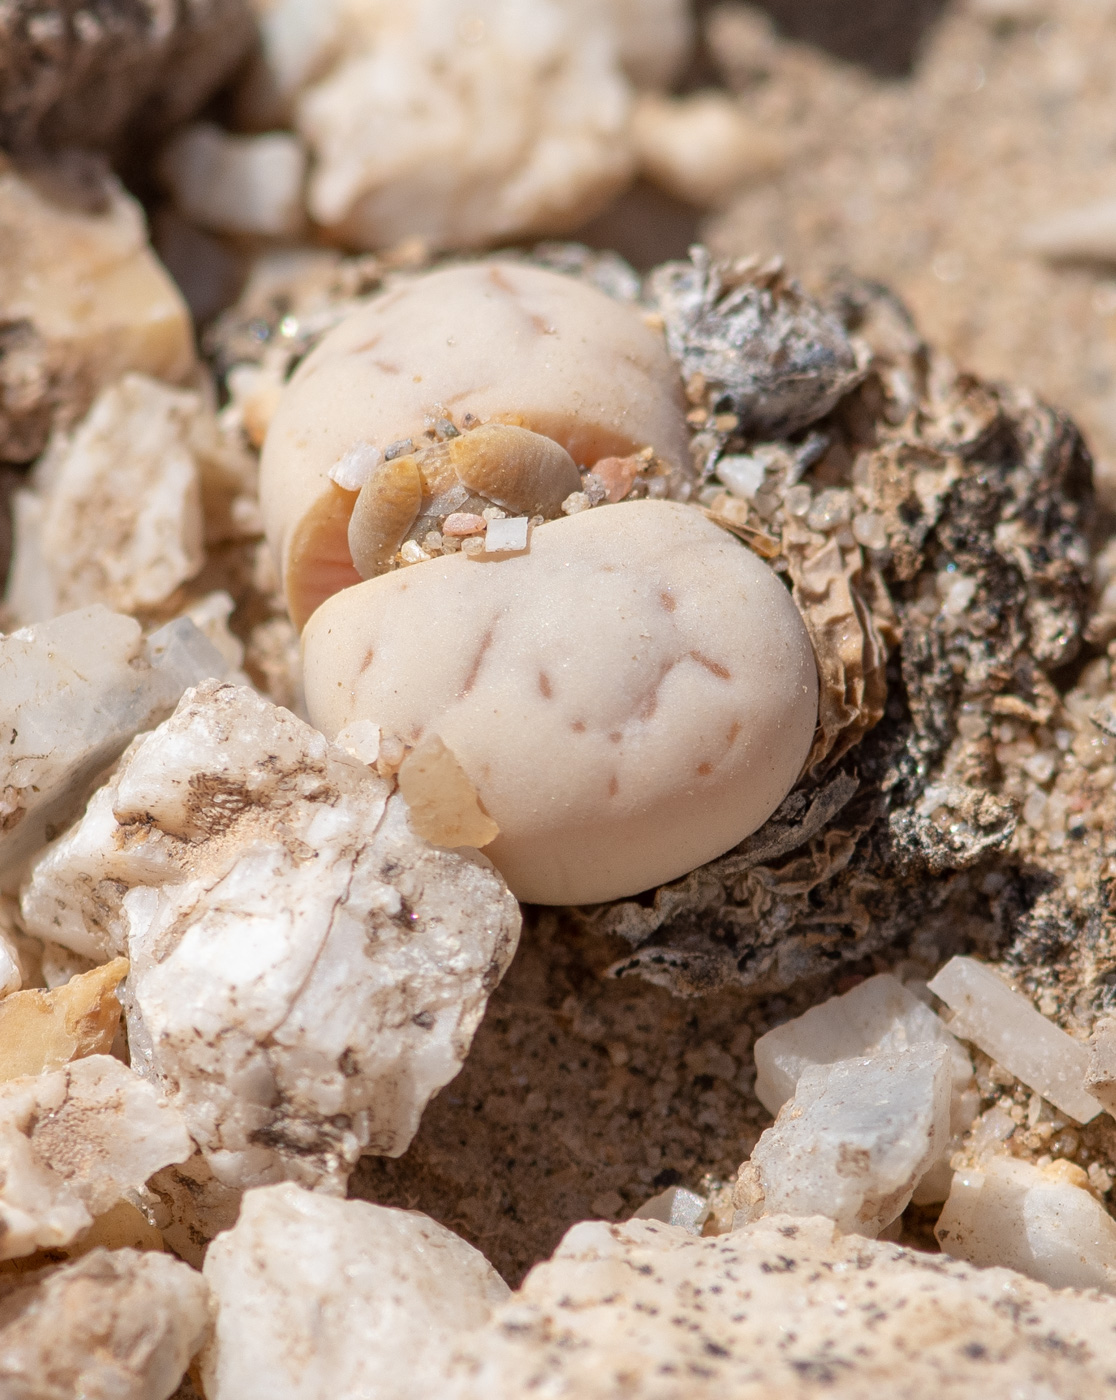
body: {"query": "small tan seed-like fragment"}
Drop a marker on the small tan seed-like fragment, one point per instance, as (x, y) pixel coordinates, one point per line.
(41, 1031)
(522, 471)
(499, 463)
(445, 808)
(385, 510)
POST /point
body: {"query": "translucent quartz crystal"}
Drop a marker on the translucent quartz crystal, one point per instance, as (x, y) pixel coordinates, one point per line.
(854, 1141)
(320, 1298)
(878, 1015)
(72, 1142)
(630, 698)
(237, 184)
(115, 1325)
(501, 341)
(1008, 1028)
(1040, 1221)
(786, 1307)
(73, 693)
(675, 1206)
(306, 971)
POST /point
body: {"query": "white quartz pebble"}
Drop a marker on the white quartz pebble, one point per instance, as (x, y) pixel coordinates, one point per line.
(237, 184)
(878, 1015)
(72, 1142)
(630, 698)
(306, 972)
(115, 1325)
(854, 1141)
(73, 693)
(492, 341)
(320, 1298)
(1040, 1221)
(1008, 1028)
(116, 514)
(675, 1206)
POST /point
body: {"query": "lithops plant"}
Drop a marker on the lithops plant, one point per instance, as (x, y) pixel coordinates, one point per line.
(495, 342)
(622, 696)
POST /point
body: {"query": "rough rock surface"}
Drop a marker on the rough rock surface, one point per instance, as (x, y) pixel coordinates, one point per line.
(784, 1307)
(82, 299)
(72, 1143)
(306, 972)
(319, 1298)
(73, 693)
(80, 74)
(116, 1325)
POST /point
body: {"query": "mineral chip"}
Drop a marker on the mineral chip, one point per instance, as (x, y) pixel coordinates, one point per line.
(82, 301)
(1007, 1027)
(73, 1142)
(73, 693)
(878, 1016)
(854, 1142)
(117, 1324)
(116, 514)
(306, 972)
(676, 1206)
(93, 75)
(702, 147)
(319, 1298)
(1040, 1221)
(237, 184)
(785, 1306)
(42, 1031)
(462, 124)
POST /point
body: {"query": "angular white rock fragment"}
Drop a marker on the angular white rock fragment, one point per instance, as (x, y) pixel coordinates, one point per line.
(237, 184)
(73, 693)
(86, 301)
(72, 1142)
(1040, 1221)
(1008, 1028)
(115, 1325)
(355, 467)
(675, 1206)
(1100, 1077)
(320, 1298)
(506, 536)
(701, 147)
(854, 1141)
(459, 121)
(210, 615)
(1086, 234)
(786, 1308)
(119, 513)
(306, 972)
(878, 1015)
